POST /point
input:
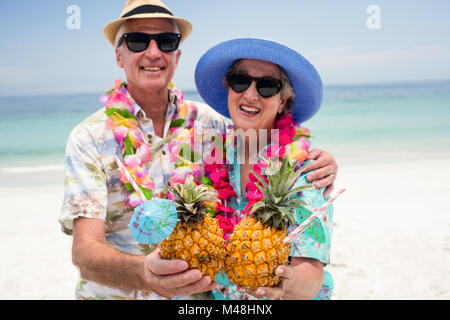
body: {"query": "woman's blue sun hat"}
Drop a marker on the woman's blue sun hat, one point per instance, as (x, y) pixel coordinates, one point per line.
(214, 64)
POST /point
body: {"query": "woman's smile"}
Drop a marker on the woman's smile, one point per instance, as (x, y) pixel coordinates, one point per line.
(249, 110)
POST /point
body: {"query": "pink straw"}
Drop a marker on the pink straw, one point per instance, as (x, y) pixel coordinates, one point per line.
(316, 213)
(130, 179)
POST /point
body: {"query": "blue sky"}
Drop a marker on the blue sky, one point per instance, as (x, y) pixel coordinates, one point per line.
(40, 55)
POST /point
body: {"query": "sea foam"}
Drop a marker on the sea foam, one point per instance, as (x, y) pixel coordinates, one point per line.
(32, 169)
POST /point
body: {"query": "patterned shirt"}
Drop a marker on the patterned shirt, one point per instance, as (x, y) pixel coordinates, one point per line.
(313, 243)
(93, 188)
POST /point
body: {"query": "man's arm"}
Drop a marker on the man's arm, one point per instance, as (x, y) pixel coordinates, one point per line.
(325, 170)
(100, 263)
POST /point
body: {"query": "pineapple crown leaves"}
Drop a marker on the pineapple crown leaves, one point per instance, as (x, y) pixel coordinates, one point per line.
(190, 200)
(277, 206)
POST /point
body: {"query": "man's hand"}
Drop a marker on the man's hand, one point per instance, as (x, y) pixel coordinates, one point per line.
(105, 265)
(170, 278)
(325, 170)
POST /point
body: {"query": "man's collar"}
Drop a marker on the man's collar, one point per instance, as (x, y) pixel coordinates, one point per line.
(172, 106)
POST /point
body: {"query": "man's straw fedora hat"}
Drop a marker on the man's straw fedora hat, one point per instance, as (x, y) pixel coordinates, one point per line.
(140, 9)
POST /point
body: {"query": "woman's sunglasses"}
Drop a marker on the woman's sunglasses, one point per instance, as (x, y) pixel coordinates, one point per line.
(267, 87)
(138, 41)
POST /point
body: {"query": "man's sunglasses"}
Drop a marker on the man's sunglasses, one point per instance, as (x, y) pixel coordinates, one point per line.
(267, 87)
(138, 41)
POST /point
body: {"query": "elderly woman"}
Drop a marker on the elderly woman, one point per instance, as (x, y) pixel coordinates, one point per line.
(262, 85)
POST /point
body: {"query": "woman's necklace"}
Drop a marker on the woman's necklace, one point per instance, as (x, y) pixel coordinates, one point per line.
(291, 141)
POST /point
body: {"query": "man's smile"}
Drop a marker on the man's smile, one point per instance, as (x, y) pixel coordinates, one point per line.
(151, 69)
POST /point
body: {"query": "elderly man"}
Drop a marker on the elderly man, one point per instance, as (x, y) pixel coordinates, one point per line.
(96, 208)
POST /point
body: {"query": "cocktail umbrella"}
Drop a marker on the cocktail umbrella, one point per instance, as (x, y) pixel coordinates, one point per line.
(153, 221)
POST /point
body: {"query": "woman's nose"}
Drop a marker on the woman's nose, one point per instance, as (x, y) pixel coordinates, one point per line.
(251, 93)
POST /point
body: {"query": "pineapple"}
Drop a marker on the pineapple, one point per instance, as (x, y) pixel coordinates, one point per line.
(255, 248)
(197, 237)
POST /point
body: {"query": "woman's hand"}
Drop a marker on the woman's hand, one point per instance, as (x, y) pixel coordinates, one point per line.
(300, 281)
(170, 278)
(325, 170)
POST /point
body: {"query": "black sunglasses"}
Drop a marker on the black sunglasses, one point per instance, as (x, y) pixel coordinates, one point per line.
(138, 41)
(267, 87)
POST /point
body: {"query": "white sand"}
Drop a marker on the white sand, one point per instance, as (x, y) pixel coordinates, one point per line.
(392, 233)
(391, 240)
(35, 254)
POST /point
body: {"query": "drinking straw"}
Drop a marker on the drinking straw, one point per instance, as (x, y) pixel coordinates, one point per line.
(130, 179)
(316, 213)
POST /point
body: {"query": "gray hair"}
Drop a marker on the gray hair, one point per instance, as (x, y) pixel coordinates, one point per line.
(123, 29)
(120, 32)
(287, 92)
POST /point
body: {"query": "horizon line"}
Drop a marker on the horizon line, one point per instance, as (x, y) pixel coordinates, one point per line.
(193, 90)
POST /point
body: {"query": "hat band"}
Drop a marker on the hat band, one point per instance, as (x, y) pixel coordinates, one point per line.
(148, 8)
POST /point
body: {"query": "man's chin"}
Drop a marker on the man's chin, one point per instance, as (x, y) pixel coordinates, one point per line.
(152, 85)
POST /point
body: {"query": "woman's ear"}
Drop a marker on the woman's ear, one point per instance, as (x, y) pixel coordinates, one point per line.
(282, 105)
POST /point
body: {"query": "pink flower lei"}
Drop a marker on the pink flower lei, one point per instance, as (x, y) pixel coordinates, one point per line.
(216, 175)
(292, 141)
(136, 150)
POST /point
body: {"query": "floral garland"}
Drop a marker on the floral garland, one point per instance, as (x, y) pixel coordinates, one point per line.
(216, 175)
(137, 152)
(292, 141)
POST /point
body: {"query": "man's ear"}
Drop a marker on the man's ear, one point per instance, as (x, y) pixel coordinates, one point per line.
(177, 57)
(119, 57)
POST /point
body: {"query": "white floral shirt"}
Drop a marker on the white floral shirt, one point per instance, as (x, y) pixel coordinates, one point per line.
(93, 188)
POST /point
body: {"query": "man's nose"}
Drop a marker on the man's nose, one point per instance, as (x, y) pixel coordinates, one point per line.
(153, 50)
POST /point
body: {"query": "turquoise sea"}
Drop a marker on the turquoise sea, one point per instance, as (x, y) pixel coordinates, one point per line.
(360, 123)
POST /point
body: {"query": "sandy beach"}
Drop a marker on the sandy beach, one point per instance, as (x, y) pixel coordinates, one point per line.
(391, 238)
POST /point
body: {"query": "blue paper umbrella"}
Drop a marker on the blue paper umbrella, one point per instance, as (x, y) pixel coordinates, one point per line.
(153, 221)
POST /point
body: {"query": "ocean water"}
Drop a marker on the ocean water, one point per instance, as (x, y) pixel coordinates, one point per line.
(355, 123)
(384, 122)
